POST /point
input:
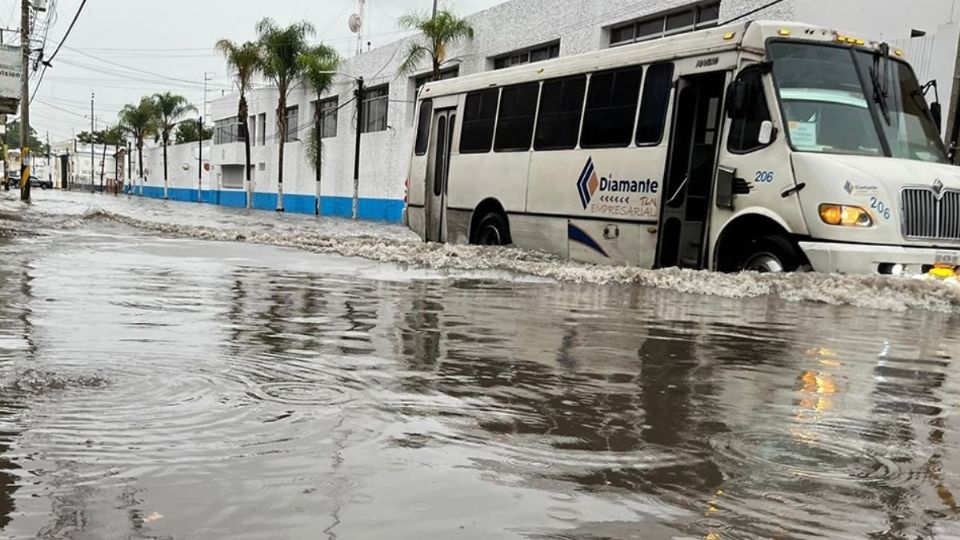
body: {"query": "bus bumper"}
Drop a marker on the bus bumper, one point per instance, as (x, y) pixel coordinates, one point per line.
(872, 259)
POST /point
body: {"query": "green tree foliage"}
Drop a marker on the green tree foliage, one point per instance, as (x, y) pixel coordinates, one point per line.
(115, 136)
(243, 59)
(318, 65)
(169, 110)
(189, 132)
(438, 34)
(280, 52)
(13, 138)
(139, 121)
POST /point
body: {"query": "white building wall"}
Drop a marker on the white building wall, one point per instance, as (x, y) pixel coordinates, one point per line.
(182, 165)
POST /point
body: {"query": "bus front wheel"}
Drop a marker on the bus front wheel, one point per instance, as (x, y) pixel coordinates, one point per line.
(492, 230)
(770, 254)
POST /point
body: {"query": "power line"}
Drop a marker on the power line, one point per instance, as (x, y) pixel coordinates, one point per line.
(69, 29)
(135, 70)
(751, 12)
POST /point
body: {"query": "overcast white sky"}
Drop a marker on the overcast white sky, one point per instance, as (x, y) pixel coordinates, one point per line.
(173, 41)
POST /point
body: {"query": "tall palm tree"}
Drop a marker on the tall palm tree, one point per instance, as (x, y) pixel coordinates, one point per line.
(169, 109)
(242, 59)
(439, 33)
(280, 51)
(318, 65)
(139, 121)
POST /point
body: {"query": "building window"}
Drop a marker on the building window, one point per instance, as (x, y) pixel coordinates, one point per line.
(526, 56)
(226, 131)
(252, 126)
(449, 73)
(676, 22)
(262, 129)
(328, 116)
(231, 176)
(293, 123)
(375, 105)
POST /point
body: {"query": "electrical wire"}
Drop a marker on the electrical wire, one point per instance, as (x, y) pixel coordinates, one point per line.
(65, 36)
(751, 12)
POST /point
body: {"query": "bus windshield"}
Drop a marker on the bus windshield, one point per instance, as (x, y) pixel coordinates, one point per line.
(846, 101)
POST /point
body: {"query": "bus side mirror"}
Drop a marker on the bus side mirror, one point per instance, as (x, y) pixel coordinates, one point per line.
(765, 136)
(936, 111)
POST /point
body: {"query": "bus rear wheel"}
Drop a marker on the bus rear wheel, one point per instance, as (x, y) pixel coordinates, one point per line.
(492, 230)
(770, 254)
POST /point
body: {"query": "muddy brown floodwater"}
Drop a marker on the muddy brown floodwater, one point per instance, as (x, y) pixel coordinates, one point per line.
(160, 386)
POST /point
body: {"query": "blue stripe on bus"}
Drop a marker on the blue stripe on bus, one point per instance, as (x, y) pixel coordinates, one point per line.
(582, 182)
(579, 235)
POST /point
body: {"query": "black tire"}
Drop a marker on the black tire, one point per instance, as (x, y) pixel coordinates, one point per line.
(770, 254)
(492, 230)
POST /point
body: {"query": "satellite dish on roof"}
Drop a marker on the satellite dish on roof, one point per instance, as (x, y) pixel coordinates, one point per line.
(355, 22)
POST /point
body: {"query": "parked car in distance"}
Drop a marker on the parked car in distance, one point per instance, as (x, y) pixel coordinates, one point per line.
(13, 180)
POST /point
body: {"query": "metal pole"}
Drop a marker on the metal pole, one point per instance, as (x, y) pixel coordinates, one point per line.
(200, 159)
(93, 157)
(103, 164)
(356, 157)
(434, 9)
(25, 100)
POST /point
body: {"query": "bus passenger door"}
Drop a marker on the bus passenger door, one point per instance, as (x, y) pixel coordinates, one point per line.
(690, 169)
(438, 169)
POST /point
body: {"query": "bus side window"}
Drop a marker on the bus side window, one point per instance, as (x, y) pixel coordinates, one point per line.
(745, 128)
(423, 127)
(654, 103)
(518, 107)
(479, 116)
(611, 108)
(561, 105)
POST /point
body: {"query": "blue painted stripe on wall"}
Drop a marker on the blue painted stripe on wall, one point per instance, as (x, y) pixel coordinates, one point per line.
(390, 210)
(236, 199)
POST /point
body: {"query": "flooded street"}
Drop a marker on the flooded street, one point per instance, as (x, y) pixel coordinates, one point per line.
(178, 371)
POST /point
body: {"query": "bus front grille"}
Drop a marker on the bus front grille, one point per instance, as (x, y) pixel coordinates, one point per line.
(927, 216)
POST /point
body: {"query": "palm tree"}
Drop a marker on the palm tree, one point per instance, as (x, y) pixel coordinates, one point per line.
(169, 109)
(439, 32)
(139, 122)
(243, 60)
(318, 65)
(280, 51)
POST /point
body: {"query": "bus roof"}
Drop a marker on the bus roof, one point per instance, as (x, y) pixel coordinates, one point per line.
(750, 36)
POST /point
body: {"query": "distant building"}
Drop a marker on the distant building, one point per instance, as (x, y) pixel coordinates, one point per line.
(516, 32)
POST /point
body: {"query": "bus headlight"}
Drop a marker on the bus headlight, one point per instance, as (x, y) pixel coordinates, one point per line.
(850, 216)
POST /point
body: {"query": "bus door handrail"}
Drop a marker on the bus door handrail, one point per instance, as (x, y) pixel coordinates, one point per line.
(679, 189)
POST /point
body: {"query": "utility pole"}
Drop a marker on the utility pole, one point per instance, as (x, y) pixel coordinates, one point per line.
(103, 164)
(356, 157)
(49, 166)
(200, 158)
(25, 100)
(93, 158)
(203, 114)
(434, 9)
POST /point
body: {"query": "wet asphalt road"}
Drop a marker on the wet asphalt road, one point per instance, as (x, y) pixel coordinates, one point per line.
(162, 386)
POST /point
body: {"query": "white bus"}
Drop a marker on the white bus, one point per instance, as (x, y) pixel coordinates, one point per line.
(762, 146)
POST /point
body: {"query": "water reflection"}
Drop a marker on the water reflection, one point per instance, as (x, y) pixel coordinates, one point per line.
(204, 390)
